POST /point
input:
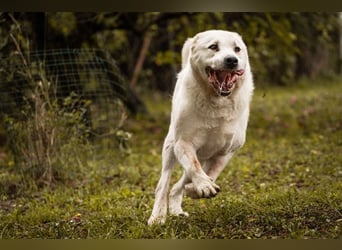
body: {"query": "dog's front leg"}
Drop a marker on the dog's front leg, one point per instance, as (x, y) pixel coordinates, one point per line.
(213, 167)
(203, 184)
(160, 204)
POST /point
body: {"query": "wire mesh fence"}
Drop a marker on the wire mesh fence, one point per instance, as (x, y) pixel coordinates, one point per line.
(53, 102)
(89, 74)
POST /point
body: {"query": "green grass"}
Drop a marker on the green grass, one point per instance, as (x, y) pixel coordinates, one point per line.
(284, 183)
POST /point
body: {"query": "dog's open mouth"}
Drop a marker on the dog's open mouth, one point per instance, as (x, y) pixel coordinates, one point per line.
(223, 81)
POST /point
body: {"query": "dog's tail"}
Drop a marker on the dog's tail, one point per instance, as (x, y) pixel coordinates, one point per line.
(186, 51)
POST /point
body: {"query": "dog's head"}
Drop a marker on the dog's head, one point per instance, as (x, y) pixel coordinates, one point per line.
(220, 58)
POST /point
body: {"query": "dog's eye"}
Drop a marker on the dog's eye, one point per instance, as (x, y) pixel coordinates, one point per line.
(214, 47)
(237, 49)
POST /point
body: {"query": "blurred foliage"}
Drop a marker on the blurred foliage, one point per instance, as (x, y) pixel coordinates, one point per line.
(47, 135)
(271, 46)
(63, 22)
(282, 46)
(49, 129)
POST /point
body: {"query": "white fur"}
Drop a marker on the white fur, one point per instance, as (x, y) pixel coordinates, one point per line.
(205, 129)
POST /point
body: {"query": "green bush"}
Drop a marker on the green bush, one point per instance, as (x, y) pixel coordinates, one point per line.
(49, 137)
(55, 134)
(47, 134)
(283, 47)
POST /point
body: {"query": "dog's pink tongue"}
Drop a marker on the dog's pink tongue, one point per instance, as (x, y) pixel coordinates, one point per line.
(232, 77)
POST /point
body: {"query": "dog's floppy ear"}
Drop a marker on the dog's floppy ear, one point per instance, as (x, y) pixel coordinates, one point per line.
(241, 38)
(186, 51)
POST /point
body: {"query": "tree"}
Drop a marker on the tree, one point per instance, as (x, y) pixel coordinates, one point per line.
(146, 46)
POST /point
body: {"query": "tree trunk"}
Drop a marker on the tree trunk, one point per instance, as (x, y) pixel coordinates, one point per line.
(141, 58)
(340, 58)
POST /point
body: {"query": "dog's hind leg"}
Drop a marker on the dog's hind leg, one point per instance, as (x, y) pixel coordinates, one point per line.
(176, 196)
(161, 193)
(217, 164)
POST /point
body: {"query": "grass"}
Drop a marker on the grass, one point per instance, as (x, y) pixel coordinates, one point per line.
(284, 183)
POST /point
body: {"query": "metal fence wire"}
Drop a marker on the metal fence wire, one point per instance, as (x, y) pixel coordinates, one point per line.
(89, 74)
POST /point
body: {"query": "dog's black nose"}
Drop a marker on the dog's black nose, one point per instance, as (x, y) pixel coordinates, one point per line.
(231, 62)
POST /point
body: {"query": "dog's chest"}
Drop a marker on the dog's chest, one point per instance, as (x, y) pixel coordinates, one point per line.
(214, 138)
(209, 126)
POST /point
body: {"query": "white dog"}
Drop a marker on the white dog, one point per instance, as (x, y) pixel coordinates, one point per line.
(210, 109)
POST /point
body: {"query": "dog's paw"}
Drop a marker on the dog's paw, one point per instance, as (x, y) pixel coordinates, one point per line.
(178, 212)
(191, 192)
(204, 189)
(154, 220)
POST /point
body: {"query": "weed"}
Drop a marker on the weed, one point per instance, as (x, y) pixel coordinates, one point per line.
(47, 132)
(56, 123)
